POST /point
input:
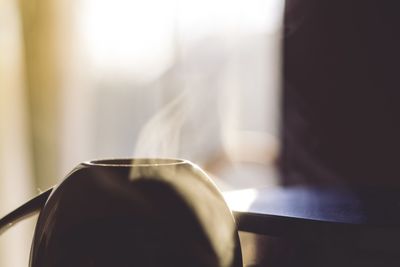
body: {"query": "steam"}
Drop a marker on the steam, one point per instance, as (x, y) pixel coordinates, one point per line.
(160, 137)
(231, 83)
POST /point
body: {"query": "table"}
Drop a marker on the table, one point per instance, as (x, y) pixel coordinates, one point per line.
(322, 226)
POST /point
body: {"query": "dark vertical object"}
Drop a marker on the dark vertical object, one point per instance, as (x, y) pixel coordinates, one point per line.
(341, 93)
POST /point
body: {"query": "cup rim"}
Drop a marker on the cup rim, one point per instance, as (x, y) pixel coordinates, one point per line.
(135, 162)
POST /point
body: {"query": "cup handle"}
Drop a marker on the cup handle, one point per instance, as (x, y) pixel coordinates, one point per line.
(24, 211)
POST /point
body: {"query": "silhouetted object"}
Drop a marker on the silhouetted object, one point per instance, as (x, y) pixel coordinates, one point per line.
(133, 213)
(341, 93)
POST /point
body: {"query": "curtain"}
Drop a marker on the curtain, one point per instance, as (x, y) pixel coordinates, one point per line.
(28, 114)
(16, 173)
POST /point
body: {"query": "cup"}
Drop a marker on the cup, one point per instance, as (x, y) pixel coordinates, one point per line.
(133, 212)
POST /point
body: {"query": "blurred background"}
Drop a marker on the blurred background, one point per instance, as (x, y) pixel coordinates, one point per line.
(88, 79)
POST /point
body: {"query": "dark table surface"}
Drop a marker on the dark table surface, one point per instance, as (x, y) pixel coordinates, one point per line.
(255, 209)
(310, 226)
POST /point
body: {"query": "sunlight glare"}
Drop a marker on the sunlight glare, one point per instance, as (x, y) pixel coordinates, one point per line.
(240, 200)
